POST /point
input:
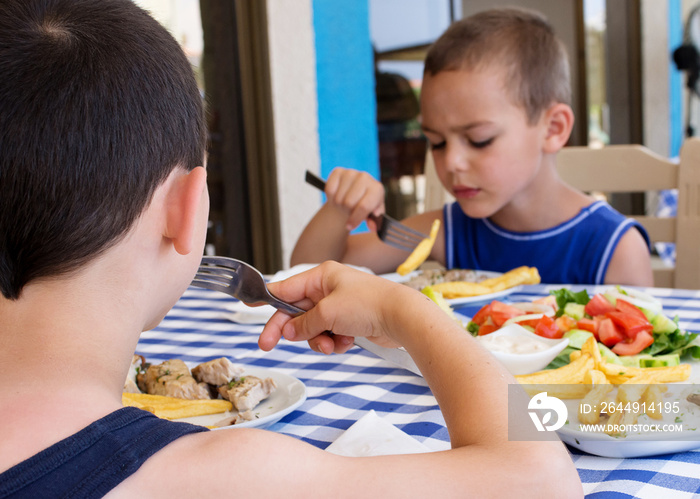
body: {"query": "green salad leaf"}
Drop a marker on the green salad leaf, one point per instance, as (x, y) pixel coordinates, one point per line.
(565, 296)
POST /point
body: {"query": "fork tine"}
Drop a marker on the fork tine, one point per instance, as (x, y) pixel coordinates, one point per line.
(201, 283)
(395, 225)
(220, 261)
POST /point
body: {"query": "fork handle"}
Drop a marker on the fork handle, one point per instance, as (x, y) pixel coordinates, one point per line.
(315, 180)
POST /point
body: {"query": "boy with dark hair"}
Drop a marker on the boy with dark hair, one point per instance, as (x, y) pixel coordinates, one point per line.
(495, 109)
(102, 224)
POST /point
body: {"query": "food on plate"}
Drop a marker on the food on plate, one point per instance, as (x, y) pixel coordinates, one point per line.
(173, 407)
(512, 278)
(246, 392)
(173, 379)
(629, 326)
(170, 390)
(421, 252)
(429, 277)
(512, 344)
(591, 378)
(130, 385)
(216, 372)
(440, 302)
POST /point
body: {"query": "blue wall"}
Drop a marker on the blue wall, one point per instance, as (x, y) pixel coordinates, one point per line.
(345, 80)
(676, 81)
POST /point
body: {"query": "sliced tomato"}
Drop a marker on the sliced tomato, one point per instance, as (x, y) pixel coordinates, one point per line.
(530, 322)
(590, 325)
(608, 333)
(627, 307)
(630, 323)
(482, 314)
(634, 346)
(599, 305)
(565, 323)
(547, 328)
(500, 312)
(487, 329)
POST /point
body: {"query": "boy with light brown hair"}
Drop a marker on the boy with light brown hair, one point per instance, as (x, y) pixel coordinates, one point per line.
(495, 110)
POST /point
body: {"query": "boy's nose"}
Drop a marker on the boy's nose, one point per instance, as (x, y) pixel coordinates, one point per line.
(456, 159)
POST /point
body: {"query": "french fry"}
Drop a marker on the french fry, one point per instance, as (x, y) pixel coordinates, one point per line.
(175, 408)
(618, 374)
(594, 398)
(515, 277)
(421, 252)
(591, 348)
(572, 373)
(651, 401)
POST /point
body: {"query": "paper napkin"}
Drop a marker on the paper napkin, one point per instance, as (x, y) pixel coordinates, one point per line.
(373, 436)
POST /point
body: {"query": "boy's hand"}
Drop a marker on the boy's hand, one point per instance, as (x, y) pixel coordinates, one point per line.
(356, 193)
(348, 302)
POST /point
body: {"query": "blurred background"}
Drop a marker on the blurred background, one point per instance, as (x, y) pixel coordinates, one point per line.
(292, 85)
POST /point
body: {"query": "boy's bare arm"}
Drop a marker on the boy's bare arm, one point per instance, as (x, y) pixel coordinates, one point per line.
(630, 263)
(352, 197)
(470, 386)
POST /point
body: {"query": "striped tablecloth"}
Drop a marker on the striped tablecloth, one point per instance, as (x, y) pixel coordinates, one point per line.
(343, 388)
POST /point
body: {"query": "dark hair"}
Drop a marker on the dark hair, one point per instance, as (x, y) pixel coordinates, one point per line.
(519, 40)
(98, 105)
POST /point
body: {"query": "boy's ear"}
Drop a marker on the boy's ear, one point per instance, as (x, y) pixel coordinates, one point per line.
(559, 120)
(183, 208)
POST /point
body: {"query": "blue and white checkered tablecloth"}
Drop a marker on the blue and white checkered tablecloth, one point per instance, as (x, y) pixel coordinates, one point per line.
(343, 388)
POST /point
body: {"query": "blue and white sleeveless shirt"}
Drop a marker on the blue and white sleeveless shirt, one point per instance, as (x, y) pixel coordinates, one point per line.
(577, 251)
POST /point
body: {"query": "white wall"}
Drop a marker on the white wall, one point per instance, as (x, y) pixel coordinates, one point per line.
(655, 75)
(294, 107)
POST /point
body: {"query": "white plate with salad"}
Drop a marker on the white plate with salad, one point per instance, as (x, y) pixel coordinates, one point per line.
(631, 329)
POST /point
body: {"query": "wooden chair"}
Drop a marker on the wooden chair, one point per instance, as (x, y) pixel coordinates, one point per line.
(634, 168)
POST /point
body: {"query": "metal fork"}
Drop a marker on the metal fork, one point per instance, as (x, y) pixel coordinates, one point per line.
(240, 280)
(389, 230)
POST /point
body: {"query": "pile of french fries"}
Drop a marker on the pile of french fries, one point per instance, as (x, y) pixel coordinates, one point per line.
(512, 278)
(589, 377)
(175, 408)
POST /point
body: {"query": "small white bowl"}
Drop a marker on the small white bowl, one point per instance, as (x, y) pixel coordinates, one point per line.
(523, 363)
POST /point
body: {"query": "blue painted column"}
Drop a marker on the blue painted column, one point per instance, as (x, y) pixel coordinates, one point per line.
(676, 83)
(347, 124)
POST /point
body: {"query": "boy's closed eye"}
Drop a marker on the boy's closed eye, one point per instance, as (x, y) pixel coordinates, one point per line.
(481, 144)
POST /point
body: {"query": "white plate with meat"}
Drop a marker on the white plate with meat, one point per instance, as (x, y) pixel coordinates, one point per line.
(289, 394)
(418, 279)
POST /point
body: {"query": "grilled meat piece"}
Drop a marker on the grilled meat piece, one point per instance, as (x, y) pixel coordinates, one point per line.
(216, 372)
(246, 392)
(173, 378)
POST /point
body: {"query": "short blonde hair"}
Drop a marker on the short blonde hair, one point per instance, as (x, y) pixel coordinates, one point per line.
(519, 40)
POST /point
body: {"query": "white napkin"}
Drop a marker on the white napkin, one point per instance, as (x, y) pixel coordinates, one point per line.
(243, 314)
(373, 436)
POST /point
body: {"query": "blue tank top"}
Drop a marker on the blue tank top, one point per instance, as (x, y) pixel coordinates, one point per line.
(96, 459)
(577, 251)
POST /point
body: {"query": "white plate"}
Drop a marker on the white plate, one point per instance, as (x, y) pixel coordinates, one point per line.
(466, 299)
(289, 395)
(642, 444)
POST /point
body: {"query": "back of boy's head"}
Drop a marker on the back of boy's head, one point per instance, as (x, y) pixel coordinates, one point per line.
(98, 105)
(519, 41)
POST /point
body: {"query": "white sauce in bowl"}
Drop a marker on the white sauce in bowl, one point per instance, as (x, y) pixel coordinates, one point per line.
(512, 344)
